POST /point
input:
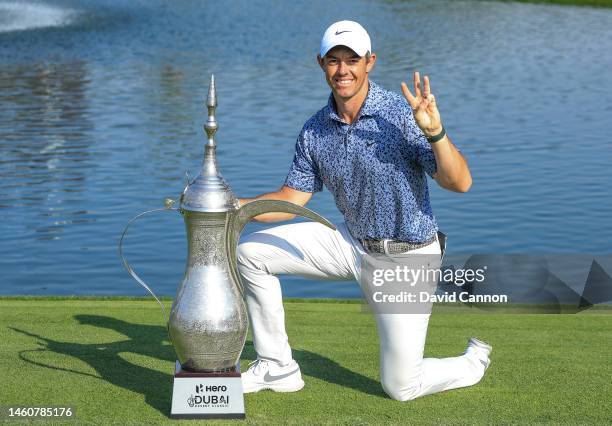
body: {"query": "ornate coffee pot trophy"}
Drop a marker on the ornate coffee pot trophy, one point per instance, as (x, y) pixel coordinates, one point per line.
(208, 320)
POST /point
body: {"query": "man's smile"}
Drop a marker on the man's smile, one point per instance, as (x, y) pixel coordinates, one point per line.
(344, 81)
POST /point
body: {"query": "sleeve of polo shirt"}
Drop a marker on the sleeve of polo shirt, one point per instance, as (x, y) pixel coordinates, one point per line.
(303, 174)
(421, 148)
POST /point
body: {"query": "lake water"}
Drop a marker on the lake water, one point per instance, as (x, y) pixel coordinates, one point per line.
(101, 113)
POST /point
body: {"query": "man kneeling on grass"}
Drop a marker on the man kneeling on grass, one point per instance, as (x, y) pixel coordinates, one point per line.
(372, 150)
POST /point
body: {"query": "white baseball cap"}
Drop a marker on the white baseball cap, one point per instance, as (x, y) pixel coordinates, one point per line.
(346, 33)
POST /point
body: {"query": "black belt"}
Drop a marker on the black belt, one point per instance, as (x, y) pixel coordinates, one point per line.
(393, 246)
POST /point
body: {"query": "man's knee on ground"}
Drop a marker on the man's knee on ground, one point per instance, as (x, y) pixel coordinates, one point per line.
(399, 391)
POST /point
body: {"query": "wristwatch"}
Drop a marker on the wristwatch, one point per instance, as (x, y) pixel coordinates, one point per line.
(438, 137)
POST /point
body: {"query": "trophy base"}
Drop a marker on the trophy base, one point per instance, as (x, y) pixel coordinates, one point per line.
(199, 395)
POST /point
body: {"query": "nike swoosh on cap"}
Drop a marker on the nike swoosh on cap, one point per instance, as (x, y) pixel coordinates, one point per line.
(269, 378)
(340, 32)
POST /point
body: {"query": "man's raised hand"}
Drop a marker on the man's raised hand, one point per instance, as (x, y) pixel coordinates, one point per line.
(423, 106)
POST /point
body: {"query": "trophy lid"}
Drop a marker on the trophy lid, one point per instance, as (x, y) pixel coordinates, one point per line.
(209, 192)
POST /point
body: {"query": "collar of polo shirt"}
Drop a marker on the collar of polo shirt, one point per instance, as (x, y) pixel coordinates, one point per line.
(369, 108)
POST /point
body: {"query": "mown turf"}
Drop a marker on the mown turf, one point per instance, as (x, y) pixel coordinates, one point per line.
(111, 361)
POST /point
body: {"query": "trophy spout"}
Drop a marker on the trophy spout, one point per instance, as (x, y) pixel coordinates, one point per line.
(255, 208)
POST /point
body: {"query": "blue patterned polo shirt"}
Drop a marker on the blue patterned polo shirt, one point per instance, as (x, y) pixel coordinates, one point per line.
(375, 167)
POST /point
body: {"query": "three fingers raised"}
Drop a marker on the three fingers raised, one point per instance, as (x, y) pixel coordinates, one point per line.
(415, 100)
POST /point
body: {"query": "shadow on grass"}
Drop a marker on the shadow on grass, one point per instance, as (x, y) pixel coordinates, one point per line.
(328, 370)
(151, 340)
(106, 359)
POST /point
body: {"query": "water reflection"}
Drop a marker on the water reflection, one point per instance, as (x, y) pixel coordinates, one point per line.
(173, 134)
(45, 138)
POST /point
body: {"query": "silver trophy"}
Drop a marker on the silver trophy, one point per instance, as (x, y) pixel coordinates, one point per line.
(208, 320)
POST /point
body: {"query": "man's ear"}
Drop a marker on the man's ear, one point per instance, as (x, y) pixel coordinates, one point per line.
(371, 62)
(320, 60)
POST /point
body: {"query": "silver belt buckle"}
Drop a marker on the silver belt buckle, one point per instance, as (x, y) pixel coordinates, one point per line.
(386, 246)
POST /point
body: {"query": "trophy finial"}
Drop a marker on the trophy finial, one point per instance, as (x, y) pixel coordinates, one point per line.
(211, 103)
(208, 192)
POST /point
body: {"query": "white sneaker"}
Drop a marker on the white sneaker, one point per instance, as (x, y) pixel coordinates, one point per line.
(479, 351)
(263, 374)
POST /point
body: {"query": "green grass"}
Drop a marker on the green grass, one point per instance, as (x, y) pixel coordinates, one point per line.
(111, 361)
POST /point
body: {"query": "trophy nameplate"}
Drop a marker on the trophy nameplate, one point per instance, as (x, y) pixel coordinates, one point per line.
(199, 395)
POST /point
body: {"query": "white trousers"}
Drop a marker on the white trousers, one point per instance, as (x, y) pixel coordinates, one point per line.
(312, 250)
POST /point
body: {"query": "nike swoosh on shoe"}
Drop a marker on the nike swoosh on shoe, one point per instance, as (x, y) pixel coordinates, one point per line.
(269, 378)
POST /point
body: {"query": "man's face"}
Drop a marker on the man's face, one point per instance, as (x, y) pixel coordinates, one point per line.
(345, 71)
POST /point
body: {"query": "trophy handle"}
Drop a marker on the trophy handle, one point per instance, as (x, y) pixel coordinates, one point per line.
(247, 212)
(134, 275)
